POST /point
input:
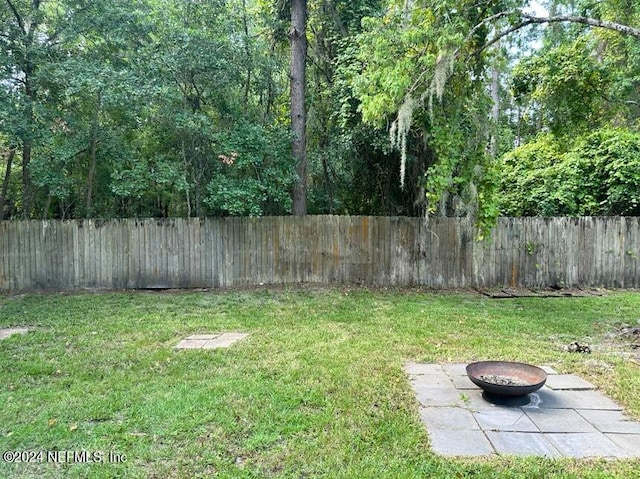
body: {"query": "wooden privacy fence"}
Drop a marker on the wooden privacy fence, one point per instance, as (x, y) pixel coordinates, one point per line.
(223, 252)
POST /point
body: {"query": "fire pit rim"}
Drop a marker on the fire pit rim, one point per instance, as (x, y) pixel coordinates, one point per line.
(534, 376)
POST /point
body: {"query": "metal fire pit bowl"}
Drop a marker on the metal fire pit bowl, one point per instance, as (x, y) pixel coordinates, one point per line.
(506, 378)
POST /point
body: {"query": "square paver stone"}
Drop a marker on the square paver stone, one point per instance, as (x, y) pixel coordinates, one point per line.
(559, 420)
(568, 382)
(549, 370)
(505, 419)
(432, 381)
(416, 369)
(629, 443)
(448, 418)
(438, 396)
(463, 382)
(455, 369)
(522, 444)
(546, 398)
(587, 400)
(454, 442)
(584, 445)
(612, 422)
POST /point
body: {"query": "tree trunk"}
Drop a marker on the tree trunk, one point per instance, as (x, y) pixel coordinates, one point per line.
(26, 179)
(5, 182)
(27, 144)
(495, 109)
(183, 151)
(47, 205)
(29, 70)
(93, 147)
(247, 49)
(298, 40)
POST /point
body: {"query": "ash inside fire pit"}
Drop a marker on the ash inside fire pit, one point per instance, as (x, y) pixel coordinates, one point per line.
(503, 380)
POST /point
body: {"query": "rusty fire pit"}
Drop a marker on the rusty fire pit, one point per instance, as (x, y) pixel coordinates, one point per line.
(506, 378)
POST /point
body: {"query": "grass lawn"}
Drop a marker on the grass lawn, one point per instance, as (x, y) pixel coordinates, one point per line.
(316, 390)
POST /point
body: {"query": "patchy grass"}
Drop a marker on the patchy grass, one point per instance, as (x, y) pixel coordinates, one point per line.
(316, 390)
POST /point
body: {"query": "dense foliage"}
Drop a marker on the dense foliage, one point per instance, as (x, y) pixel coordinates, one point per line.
(182, 108)
(578, 118)
(151, 108)
(598, 176)
(436, 71)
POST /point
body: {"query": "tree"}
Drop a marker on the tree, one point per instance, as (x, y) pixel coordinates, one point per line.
(352, 169)
(298, 40)
(424, 70)
(56, 56)
(565, 88)
(23, 32)
(213, 128)
(411, 68)
(579, 133)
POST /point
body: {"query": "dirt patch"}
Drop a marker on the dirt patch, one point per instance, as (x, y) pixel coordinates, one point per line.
(623, 340)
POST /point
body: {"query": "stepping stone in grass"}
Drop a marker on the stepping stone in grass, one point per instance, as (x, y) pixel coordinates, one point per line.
(210, 341)
(5, 333)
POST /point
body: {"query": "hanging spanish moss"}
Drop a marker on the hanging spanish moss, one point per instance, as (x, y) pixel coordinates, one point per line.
(400, 130)
(445, 64)
(401, 126)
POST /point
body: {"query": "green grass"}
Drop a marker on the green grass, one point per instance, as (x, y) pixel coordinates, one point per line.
(316, 390)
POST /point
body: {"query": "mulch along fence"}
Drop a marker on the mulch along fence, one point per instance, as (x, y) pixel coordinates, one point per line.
(384, 251)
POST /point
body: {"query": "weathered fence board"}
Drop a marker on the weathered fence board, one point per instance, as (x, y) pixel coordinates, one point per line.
(224, 252)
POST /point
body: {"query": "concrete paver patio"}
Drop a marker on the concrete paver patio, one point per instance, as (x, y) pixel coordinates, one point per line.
(568, 417)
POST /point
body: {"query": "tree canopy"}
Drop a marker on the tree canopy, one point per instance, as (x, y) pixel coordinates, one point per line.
(449, 107)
